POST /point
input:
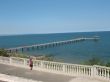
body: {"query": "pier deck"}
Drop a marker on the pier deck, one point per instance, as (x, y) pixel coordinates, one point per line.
(51, 44)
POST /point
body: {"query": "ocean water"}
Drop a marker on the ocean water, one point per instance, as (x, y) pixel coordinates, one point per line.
(71, 53)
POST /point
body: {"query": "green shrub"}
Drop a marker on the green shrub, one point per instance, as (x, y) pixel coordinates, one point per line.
(94, 61)
(4, 53)
(108, 64)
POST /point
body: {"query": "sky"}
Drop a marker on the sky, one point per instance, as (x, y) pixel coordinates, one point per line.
(53, 16)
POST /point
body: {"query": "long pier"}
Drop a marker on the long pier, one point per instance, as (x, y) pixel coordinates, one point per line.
(51, 44)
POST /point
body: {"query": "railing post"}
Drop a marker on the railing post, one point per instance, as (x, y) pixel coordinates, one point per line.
(93, 71)
(64, 68)
(42, 65)
(10, 60)
(24, 61)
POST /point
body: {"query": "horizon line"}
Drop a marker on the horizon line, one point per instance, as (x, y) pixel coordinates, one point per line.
(49, 33)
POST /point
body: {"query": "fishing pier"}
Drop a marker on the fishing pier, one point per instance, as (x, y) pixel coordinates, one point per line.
(51, 44)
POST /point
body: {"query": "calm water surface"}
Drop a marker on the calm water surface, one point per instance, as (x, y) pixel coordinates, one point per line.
(72, 53)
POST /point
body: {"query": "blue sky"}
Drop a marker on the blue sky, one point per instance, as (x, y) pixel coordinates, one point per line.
(53, 16)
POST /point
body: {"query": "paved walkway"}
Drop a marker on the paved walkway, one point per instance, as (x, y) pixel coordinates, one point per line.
(2, 81)
(40, 76)
(35, 75)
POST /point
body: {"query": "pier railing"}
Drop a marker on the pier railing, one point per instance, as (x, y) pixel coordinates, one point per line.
(97, 72)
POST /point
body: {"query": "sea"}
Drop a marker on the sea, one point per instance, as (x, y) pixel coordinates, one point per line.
(70, 53)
